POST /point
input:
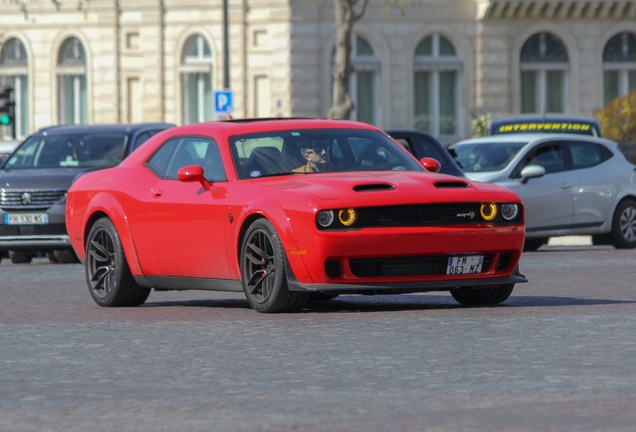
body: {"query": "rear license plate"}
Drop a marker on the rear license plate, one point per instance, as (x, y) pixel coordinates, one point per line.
(26, 218)
(466, 264)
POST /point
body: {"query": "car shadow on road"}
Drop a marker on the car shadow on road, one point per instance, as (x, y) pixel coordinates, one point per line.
(395, 303)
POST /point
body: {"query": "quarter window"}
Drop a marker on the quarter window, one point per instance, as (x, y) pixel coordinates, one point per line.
(436, 86)
(14, 72)
(180, 152)
(586, 154)
(544, 67)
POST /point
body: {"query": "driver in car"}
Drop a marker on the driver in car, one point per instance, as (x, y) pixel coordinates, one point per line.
(317, 157)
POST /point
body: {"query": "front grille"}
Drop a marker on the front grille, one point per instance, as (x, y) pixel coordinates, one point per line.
(503, 261)
(405, 266)
(17, 230)
(419, 215)
(332, 268)
(41, 198)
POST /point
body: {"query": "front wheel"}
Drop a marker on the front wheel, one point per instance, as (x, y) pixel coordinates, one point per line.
(263, 274)
(623, 234)
(488, 295)
(109, 279)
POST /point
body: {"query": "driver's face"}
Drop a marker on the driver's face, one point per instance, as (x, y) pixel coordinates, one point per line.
(318, 153)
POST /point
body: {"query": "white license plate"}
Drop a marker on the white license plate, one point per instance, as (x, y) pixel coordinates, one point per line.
(26, 218)
(466, 264)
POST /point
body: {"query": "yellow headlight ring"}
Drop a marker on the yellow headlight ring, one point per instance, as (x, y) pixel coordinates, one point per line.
(488, 211)
(347, 217)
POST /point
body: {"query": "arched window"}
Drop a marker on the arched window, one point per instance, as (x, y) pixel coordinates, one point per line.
(544, 67)
(364, 81)
(437, 70)
(14, 72)
(196, 80)
(619, 66)
(71, 76)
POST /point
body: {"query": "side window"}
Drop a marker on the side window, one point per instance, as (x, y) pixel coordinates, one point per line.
(586, 154)
(549, 156)
(424, 148)
(197, 151)
(141, 138)
(158, 162)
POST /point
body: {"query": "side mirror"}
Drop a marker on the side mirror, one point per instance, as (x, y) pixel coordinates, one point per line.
(531, 171)
(193, 173)
(431, 164)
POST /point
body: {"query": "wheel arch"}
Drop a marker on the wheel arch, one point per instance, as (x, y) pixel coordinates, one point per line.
(105, 205)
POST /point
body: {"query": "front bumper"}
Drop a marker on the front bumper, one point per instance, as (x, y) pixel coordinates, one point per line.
(35, 242)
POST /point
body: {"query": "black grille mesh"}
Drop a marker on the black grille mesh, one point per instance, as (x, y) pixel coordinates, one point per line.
(503, 261)
(332, 268)
(405, 266)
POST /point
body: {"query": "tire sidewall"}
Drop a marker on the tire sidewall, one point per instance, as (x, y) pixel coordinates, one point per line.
(120, 259)
(280, 278)
(616, 235)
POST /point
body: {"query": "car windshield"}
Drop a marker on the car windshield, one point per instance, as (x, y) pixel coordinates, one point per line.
(486, 156)
(306, 151)
(69, 151)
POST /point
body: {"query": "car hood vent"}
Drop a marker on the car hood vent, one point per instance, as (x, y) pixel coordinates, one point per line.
(373, 187)
(451, 184)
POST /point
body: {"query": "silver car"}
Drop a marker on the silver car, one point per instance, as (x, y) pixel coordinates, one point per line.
(569, 184)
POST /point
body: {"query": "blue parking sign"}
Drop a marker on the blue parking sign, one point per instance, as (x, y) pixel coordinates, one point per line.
(223, 101)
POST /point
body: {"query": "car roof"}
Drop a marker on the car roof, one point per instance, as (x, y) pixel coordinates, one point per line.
(105, 128)
(242, 126)
(528, 138)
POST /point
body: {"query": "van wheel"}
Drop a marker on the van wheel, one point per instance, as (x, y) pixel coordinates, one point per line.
(20, 257)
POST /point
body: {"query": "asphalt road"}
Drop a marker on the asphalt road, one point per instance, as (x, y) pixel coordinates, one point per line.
(560, 354)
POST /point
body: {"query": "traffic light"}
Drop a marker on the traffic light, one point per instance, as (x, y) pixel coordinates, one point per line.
(6, 105)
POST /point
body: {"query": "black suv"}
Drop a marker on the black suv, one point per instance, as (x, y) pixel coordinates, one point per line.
(35, 177)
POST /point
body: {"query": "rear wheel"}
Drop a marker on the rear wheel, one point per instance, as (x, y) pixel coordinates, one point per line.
(20, 257)
(488, 295)
(532, 244)
(623, 234)
(110, 282)
(263, 264)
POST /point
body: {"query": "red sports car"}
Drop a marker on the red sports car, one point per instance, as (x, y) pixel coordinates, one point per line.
(287, 210)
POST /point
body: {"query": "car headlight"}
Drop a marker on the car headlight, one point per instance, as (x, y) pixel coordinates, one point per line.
(325, 218)
(509, 211)
(488, 211)
(347, 217)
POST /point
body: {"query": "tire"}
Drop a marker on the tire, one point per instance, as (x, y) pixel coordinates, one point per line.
(488, 295)
(623, 234)
(51, 256)
(20, 257)
(321, 296)
(532, 244)
(109, 280)
(601, 239)
(65, 256)
(263, 264)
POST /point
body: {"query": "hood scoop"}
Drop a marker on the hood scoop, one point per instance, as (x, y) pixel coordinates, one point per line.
(372, 187)
(451, 184)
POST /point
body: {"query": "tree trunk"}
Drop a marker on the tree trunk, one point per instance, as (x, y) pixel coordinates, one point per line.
(342, 105)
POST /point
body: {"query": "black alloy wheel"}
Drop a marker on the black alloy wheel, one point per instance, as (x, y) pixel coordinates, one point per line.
(532, 244)
(110, 282)
(623, 234)
(483, 296)
(263, 273)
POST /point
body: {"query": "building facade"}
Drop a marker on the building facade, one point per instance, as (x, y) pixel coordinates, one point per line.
(430, 65)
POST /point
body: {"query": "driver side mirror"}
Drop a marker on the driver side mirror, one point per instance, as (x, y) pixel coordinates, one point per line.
(431, 164)
(531, 171)
(193, 173)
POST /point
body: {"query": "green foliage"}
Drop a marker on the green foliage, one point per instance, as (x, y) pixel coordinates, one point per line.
(480, 125)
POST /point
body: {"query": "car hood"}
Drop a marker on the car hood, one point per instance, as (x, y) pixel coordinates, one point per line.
(384, 185)
(53, 178)
(485, 176)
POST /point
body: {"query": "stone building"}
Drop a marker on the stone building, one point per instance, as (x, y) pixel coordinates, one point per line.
(426, 64)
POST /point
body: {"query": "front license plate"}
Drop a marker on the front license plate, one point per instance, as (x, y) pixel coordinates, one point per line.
(466, 264)
(26, 218)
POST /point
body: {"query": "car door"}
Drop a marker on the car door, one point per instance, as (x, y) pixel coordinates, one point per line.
(595, 185)
(185, 221)
(548, 199)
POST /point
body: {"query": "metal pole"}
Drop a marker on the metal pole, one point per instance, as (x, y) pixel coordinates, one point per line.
(226, 47)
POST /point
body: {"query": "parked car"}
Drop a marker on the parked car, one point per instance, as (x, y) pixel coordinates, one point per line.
(550, 123)
(35, 178)
(569, 184)
(281, 209)
(423, 145)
